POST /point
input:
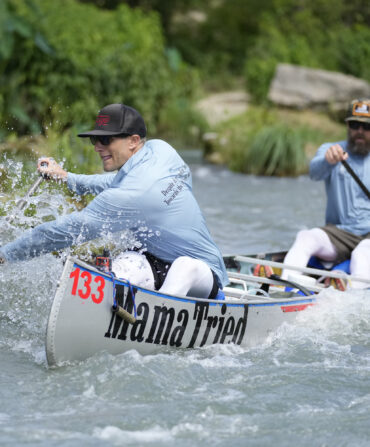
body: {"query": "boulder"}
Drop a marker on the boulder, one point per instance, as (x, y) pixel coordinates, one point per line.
(301, 87)
(223, 106)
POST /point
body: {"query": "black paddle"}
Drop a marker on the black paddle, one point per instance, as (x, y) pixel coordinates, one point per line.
(356, 178)
(288, 283)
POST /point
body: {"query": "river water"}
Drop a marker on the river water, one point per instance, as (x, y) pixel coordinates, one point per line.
(308, 385)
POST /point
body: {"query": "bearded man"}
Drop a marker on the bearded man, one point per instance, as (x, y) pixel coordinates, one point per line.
(346, 234)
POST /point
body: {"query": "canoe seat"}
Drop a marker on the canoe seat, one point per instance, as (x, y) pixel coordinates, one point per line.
(317, 263)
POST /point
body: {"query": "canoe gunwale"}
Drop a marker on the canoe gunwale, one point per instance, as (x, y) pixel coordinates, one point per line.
(309, 270)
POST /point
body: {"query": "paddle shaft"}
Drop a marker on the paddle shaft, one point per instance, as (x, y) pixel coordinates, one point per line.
(356, 178)
(23, 202)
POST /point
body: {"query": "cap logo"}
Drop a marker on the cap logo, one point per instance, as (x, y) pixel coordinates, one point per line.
(102, 120)
(361, 109)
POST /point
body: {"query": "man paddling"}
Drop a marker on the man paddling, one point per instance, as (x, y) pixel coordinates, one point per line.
(151, 195)
(346, 234)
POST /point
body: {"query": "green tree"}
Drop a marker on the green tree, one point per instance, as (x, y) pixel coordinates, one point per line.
(21, 44)
(81, 58)
(328, 34)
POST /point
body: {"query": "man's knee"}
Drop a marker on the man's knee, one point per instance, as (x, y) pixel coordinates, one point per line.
(314, 242)
(188, 276)
(135, 268)
(363, 247)
(185, 263)
(309, 236)
(181, 260)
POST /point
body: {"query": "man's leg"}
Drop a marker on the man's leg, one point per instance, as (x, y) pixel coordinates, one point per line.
(188, 276)
(314, 242)
(360, 264)
(135, 268)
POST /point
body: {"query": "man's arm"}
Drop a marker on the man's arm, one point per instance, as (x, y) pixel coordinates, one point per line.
(80, 184)
(89, 184)
(108, 213)
(327, 156)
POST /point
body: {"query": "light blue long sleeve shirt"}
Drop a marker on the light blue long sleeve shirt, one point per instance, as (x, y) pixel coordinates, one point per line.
(151, 195)
(347, 205)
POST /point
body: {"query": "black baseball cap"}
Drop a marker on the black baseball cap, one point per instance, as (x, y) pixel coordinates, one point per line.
(116, 119)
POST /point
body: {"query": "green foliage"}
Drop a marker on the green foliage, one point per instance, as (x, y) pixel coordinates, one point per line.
(187, 125)
(214, 35)
(268, 141)
(76, 154)
(20, 43)
(70, 59)
(229, 37)
(62, 60)
(236, 135)
(277, 150)
(261, 62)
(18, 157)
(354, 50)
(316, 33)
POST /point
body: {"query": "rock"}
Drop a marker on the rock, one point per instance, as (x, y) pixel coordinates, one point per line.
(302, 87)
(222, 106)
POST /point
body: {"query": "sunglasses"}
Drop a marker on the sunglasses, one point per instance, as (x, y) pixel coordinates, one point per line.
(355, 125)
(105, 140)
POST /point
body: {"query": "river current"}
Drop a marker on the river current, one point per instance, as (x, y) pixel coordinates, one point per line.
(307, 385)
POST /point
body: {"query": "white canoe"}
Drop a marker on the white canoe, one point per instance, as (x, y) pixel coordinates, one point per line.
(82, 323)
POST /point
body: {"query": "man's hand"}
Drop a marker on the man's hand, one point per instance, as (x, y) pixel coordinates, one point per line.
(2, 260)
(50, 169)
(335, 154)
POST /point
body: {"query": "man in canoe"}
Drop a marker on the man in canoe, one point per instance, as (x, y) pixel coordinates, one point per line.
(151, 195)
(346, 234)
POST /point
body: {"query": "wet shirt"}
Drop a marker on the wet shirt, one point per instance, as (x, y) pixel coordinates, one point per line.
(347, 205)
(151, 195)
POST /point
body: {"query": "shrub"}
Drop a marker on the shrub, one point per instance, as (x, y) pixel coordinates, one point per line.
(328, 35)
(354, 50)
(272, 47)
(89, 58)
(236, 135)
(271, 141)
(277, 150)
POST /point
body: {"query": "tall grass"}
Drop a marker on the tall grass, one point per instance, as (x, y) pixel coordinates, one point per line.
(277, 150)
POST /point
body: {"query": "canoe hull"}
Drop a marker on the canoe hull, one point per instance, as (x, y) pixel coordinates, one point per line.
(81, 321)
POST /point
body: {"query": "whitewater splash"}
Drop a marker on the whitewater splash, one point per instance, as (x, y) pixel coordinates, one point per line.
(339, 320)
(333, 333)
(27, 289)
